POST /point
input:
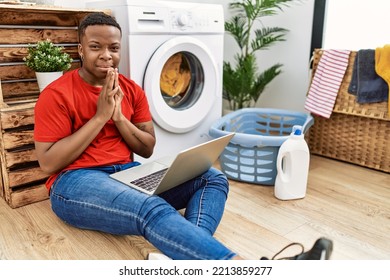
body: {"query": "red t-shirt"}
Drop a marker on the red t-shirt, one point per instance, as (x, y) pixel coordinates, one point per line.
(69, 102)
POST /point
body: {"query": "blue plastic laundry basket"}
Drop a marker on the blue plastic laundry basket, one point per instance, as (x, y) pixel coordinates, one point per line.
(252, 152)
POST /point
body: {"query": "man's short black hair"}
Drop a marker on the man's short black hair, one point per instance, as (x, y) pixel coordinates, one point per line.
(98, 18)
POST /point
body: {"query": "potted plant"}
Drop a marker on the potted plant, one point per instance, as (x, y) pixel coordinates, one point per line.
(48, 61)
(242, 83)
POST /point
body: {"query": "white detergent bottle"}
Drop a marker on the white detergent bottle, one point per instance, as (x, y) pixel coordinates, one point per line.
(292, 167)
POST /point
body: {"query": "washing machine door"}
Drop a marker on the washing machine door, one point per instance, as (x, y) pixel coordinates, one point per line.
(181, 83)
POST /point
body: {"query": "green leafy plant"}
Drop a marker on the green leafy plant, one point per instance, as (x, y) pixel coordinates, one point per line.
(242, 84)
(46, 57)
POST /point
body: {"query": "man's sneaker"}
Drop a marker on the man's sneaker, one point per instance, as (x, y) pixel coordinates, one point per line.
(321, 250)
(158, 256)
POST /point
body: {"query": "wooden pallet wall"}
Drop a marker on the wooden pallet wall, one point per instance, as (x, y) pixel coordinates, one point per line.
(21, 179)
(21, 26)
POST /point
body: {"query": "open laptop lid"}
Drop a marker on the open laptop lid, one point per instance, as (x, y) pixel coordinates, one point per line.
(192, 162)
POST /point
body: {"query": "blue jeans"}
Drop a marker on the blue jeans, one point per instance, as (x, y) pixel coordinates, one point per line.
(90, 199)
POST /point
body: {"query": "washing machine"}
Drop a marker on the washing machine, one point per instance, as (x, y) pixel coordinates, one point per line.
(174, 50)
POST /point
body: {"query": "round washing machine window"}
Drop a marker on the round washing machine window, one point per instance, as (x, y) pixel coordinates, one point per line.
(182, 83)
(181, 80)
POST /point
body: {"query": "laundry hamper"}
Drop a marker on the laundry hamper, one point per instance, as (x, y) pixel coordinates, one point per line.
(259, 132)
(355, 133)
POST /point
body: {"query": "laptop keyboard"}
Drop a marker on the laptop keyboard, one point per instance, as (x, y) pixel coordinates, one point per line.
(151, 181)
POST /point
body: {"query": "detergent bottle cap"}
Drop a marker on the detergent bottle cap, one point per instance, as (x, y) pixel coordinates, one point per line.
(297, 130)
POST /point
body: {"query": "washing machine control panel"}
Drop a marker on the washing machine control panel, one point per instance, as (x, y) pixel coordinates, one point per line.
(190, 21)
(182, 19)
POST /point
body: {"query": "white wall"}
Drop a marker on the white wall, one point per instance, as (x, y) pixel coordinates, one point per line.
(355, 25)
(288, 90)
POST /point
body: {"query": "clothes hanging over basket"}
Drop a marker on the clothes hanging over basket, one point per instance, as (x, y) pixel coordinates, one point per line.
(365, 83)
(326, 82)
(382, 66)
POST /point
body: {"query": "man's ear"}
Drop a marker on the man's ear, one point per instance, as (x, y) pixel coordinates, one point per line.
(80, 51)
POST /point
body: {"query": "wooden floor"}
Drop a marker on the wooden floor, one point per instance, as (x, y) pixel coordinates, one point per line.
(344, 202)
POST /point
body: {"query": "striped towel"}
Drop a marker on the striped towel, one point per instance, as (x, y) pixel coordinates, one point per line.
(326, 82)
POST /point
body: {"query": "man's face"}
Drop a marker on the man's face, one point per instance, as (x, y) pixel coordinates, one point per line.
(100, 49)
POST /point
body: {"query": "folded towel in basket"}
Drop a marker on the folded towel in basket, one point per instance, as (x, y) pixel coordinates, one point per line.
(366, 84)
(326, 82)
(382, 66)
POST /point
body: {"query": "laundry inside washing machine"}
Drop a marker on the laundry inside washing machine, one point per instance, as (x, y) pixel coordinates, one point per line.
(181, 80)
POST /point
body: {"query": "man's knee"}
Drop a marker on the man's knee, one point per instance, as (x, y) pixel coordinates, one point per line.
(154, 208)
(218, 178)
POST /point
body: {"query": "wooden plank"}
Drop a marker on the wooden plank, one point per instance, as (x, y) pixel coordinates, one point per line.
(27, 196)
(26, 36)
(16, 54)
(1, 184)
(19, 107)
(20, 157)
(21, 71)
(20, 89)
(1, 95)
(23, 101)
(41, 16)
(2, 163)
(12, 54)
(16, 139)
(3, 169)
(2, 155)
(6, 190)
(16, 72)
(17, 118)
(25, 176)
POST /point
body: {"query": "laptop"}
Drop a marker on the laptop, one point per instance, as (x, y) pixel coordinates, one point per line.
(165, 173)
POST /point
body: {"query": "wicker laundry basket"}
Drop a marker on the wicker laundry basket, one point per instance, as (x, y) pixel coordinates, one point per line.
(355, 133)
